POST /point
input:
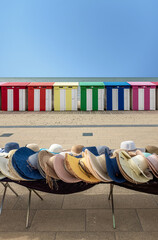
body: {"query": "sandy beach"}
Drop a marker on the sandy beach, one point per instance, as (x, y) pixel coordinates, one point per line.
(78, 118)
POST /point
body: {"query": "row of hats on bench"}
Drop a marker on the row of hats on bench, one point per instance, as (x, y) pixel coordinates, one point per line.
(88, 164)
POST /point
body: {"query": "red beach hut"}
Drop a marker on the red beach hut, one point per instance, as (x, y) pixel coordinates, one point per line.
(13, 96)
(40, 95)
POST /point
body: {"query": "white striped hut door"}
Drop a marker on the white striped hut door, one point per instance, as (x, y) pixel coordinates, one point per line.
(48, 106)
(74, 98)
(152, 99)
(10, 100)
(126, 99)
(22, 99)
(89, 100)
(140, 99)
(62, 99)
(36, 99)
(100, 99)
(114, 99)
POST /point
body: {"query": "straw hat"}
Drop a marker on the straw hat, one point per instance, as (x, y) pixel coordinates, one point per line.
(153, 164)
(46, 162)
(2, 176)
(61, 171)
(151, 149)
(97, 166)
(12, 169)
(19, 161)
(77, 149)
(135, 168)
(77, 167)
(92, 149)
(130, 146)
(11, 153)
(33, 146)
(8, 147)
(5, 170)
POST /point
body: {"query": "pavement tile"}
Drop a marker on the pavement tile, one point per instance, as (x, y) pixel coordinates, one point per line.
(101, 220)
(27, 236)
(134, 201)
(136, 235)
(85, 236)
(155, 198)
(14, 220)
(148, 219)
(10, 201)
(50, 201)
(81, 201)
(98, 189)
(20, 190)
(58, 220)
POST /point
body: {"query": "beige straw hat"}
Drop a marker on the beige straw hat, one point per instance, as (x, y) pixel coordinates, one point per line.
(97, 166)
(5, 170)
(135, 168)
(12, 169)
(46, 162)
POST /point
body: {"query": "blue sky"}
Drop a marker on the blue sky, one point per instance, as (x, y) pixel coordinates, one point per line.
(78, 38)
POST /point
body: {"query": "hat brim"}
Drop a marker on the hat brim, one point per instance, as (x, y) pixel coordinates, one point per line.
(21, 165)
(61, 171)
(123, 161)
(5, 170)
(2, 176)
(92, 149)
(113, 169)
(96, 167)
(43, 158)
(153, 164)
(4, 154)
(13, 171)
(72, 164)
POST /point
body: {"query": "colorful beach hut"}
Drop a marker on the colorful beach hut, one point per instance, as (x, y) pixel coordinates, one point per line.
(40, 96)
(1, 83)
(143, 95)
(91, 96)
(14, 96)
(156, 84)
(117, 95)
(65, 96)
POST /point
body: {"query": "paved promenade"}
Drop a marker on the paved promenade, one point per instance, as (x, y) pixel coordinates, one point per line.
(85, 215)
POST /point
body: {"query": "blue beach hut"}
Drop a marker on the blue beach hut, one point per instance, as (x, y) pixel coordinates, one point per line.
(117, 95)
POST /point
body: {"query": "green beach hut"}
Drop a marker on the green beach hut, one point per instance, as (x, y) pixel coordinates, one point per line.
(91, 96)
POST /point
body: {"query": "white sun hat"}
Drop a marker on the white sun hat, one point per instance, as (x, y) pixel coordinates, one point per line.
(130, 146)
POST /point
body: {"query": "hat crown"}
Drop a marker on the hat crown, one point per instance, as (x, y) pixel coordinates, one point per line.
(32, 160)
(128, 145)
(10, 146)
(102, 162)
(50, 161)
(56, 148)
(33, 146)
(139, 164)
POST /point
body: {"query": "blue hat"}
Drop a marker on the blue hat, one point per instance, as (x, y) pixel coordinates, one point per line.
(92, 150)
(112, 169)
(21, 165)
(8, 147)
